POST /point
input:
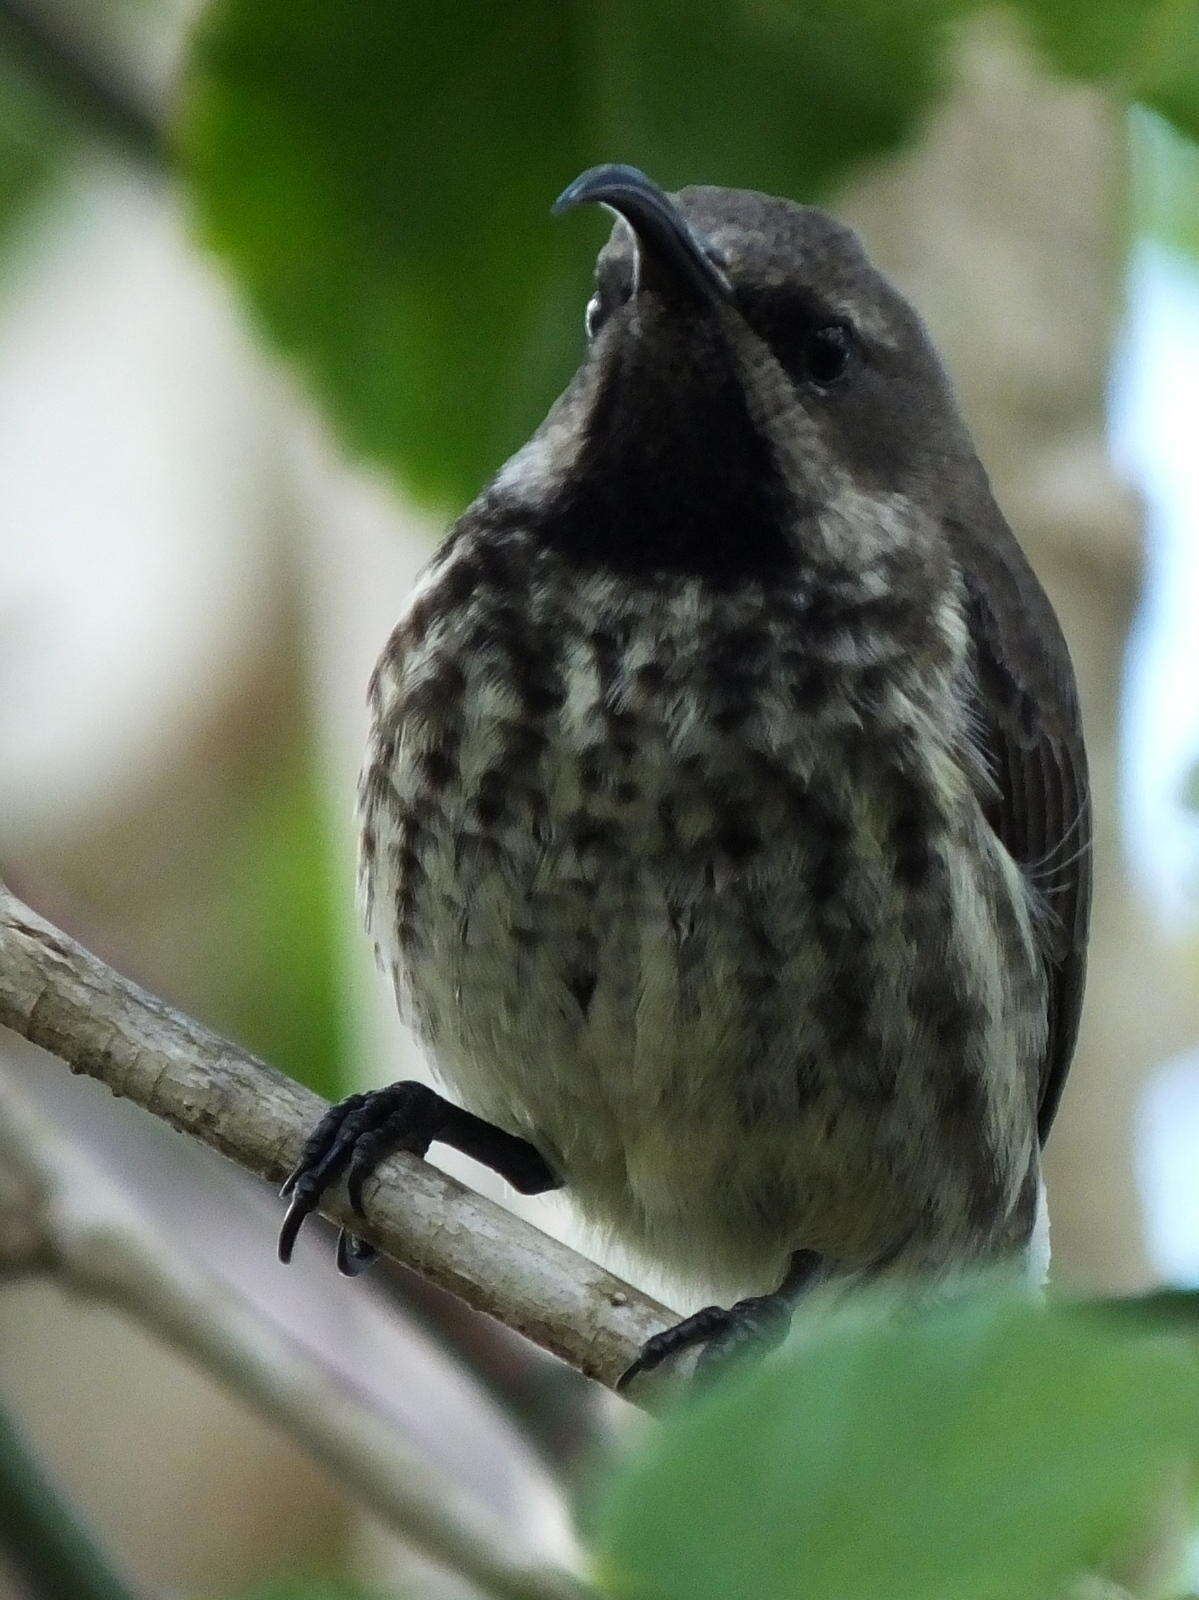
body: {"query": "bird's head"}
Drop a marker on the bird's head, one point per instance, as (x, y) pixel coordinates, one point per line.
(751, 381)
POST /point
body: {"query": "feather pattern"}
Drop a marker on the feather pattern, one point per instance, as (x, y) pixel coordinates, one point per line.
(1031, 737)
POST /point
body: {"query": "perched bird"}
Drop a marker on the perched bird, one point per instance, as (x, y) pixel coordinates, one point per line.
(724, 817)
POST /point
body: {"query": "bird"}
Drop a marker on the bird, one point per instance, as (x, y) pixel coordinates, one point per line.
(725, 822)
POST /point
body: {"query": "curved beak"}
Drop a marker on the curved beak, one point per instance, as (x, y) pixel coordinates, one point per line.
(666, 243)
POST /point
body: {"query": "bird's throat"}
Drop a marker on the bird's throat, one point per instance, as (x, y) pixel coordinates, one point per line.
(672, 475)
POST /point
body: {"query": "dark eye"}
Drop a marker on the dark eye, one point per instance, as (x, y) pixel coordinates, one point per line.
(826, 353)
(594, 315)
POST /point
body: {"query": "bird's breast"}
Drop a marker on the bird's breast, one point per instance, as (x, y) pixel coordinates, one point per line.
(664, 875)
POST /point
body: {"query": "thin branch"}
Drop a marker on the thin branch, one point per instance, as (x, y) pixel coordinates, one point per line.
(95, 1246)
(53, 1553)
(55, 55)
(58, 995)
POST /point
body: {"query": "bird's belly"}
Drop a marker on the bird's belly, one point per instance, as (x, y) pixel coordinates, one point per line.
(732, 1046)
(693, 891)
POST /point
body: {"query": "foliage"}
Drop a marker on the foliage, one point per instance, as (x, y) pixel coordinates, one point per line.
(377, 173)
(985, 1448)
(379, 176)
(1147, 48)
(1166, 187)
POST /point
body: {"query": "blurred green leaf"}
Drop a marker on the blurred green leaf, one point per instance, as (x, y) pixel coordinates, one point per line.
(1166, 75)
(379, 175)
(1165, 186)
(312, 1589)
(1092, 38)
(279, 971)
(983, 1450)
(34, 145)
(1147, 49)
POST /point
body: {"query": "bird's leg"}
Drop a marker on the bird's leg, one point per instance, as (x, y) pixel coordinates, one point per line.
(354, 1136)
(759, 1323)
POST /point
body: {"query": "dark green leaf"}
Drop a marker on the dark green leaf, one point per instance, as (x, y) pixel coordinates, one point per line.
(1099, 39)
(1167, 73)
(379, 173)
(984, 1450)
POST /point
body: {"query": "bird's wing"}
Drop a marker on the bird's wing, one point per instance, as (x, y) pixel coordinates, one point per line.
(1030, 732)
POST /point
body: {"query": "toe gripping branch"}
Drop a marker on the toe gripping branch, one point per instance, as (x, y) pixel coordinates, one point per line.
(356, 1134)
(723, 1333)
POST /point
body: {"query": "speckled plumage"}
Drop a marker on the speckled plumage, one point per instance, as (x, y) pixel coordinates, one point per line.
(683, 828)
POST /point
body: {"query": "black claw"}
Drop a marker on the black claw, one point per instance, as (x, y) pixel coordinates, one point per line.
(352, 1138)
(292, 1223)
(354, 1183)
(696, 1329)
(757, 1324)
(354, 1255)
(355, 1135)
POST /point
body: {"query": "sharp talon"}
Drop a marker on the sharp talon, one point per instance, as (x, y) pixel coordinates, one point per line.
(629, 1373)
(354, 1255)
(358, 1175)
(292, 1223)
(353, 1136)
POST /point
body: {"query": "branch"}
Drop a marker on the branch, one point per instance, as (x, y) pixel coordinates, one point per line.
(59, 58)
(59, 996)
(99, 1249)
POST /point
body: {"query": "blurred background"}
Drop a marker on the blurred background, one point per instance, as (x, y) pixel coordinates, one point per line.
(278, 289)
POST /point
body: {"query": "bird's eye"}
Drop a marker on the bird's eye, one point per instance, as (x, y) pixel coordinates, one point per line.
(593, 315)
(826, 353)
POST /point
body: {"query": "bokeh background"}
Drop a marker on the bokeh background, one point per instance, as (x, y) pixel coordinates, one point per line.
(278, 288)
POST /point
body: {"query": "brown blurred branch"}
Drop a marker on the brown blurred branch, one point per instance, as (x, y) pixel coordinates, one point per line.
(59, 1218)
(58, 995)
(55, 54)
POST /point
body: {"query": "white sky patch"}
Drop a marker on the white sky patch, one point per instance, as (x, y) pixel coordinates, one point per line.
(132, 451)
(1155, 432)
(1155, 436)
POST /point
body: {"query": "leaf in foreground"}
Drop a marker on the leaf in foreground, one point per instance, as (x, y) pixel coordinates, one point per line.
(982, 1450)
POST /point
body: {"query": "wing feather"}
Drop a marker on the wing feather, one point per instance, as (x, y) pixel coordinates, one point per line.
(1030, 731)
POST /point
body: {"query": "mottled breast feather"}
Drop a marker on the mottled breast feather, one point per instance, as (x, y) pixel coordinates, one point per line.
(656, 863)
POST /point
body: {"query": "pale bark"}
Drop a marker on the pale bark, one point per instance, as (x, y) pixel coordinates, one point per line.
(59, 996)
(94, 1246)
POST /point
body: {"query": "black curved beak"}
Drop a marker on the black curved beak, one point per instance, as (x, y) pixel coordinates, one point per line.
(666, 242)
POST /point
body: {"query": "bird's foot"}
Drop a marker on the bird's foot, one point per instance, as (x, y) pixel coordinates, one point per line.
(752, 1326)
(352, 1137)
(755, 1325)
(357, 1133)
